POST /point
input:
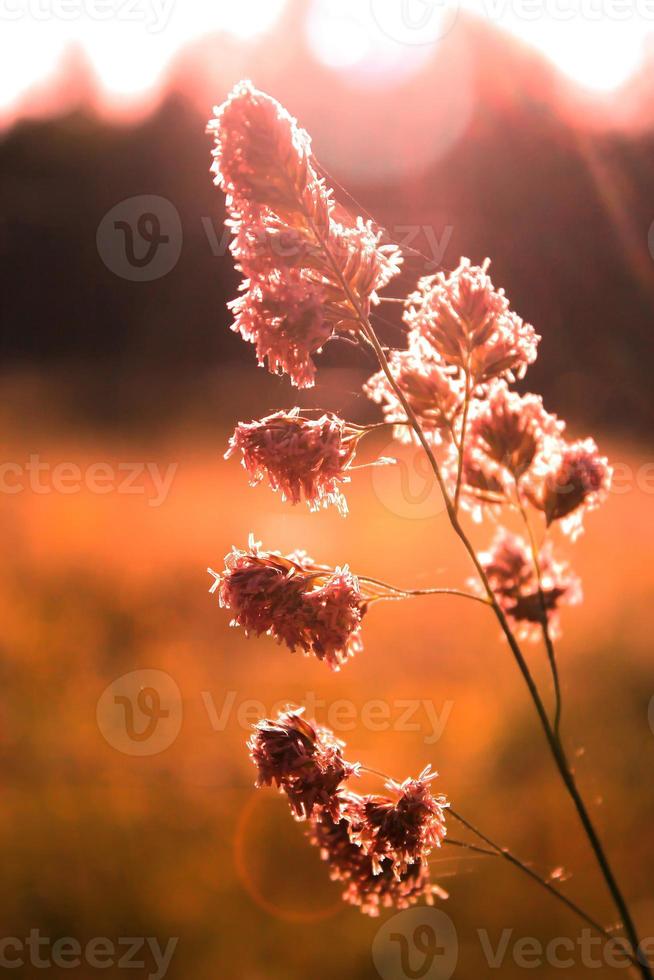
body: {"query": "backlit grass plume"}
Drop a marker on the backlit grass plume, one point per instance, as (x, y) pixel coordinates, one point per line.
(313, 273)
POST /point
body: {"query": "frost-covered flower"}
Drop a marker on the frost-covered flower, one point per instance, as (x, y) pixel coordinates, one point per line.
(307, 606)
(402, 831)
(369, 889)
(303, 760)
(300, 457)
(432, 390)
(570, 479)
(470, 326)
(311, 271)
(511, 573)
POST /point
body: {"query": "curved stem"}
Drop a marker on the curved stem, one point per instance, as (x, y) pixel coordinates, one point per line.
(497, 851)
(553, 742)
(407, 593)
(380, 461)
(364, 429)
(377, 772)
(549, 644)
(470, 847)
(460, 447)
(453, 436)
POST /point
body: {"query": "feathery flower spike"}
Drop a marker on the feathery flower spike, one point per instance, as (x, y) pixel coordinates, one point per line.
(401, 831)
(302, 760)
(307, 606)
(366, 887)
(510, 429)
(433, 391)
(512, 576)
(570, 479)
(469, 325)
(300, 457)
(507, 434)
(310, 269)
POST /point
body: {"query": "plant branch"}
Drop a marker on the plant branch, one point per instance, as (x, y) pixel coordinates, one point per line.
(470, 847)
(460, 447)
(554, 744)
(549, 644)
(407, 593)
(497, 851)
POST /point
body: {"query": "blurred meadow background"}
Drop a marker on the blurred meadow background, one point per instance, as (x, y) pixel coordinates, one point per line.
(118, 398)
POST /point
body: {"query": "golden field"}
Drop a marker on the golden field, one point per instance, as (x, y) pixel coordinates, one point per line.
(176, 842)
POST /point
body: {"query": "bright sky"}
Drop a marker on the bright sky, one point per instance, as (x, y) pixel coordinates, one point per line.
(597, 43)
(130, 43)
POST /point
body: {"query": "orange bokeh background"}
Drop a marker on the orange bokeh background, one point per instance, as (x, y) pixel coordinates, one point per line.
(151, 826)
(178, 843)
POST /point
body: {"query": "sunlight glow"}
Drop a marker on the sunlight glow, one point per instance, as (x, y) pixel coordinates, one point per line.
(27, 56)
(129, 44)
(597, 43)
(337, 36)
(588, 40)
(343, 35)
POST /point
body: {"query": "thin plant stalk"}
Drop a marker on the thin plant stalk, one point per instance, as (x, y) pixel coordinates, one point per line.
(408, 593)
(549, 644)
(495, 850)
(554, 743)
(460, 447)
